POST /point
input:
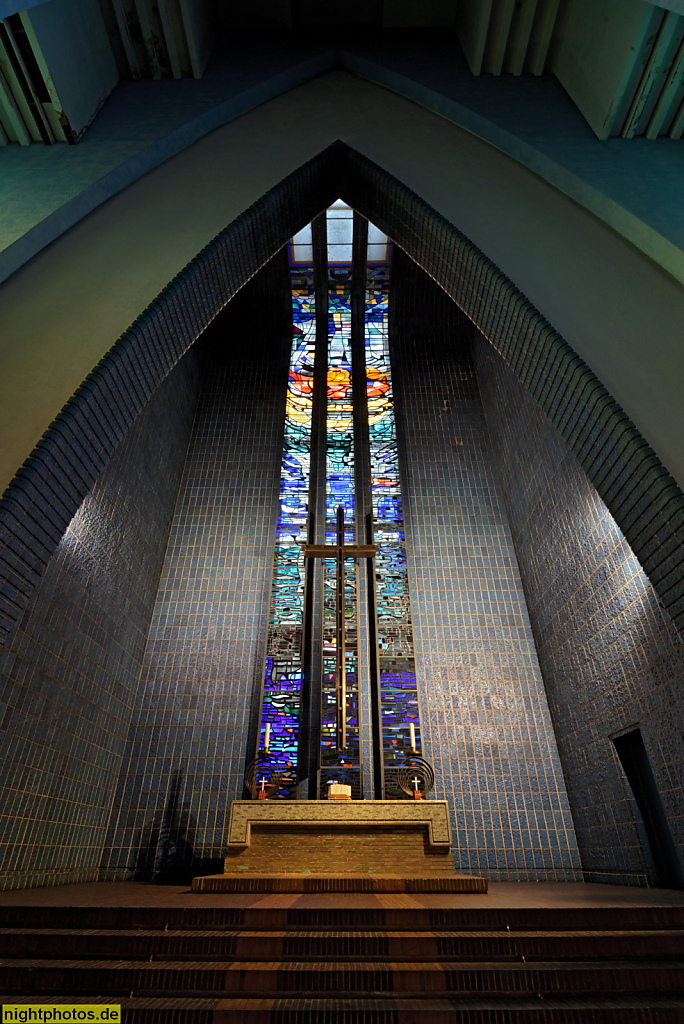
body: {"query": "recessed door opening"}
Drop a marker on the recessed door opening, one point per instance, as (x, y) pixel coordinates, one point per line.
(633, 757)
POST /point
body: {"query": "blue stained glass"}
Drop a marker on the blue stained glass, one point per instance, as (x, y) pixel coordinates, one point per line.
(399, 697)
(283, 673)
(339, 492)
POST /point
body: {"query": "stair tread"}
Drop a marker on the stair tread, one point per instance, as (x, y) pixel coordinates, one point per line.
(488, 1001)
(341, 933)
(304, 965)
(303, 918)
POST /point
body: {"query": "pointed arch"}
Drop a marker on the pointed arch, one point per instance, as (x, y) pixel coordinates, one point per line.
(643, 498)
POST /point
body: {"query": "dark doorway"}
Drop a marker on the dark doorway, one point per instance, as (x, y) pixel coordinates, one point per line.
(636, 766)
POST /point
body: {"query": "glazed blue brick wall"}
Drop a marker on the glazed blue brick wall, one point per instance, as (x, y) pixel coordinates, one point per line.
(69, 676)
(610, 656)
(484, 716)
(204, 658)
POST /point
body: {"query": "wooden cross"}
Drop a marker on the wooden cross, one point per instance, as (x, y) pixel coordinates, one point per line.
(340, 551)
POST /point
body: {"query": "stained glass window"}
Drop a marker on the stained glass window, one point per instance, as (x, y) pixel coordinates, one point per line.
(378, 245)
(340, 492)
(399, 699)
(285, 672)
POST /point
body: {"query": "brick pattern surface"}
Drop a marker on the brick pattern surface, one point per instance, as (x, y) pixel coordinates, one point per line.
(334, 852)
(203, 662)
(485, 719)
(73, 455)
(610, 655)
(69, 676)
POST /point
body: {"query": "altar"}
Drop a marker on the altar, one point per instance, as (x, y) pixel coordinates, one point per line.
(328, 846)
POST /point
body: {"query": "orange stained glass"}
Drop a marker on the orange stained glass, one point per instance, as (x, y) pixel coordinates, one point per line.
(339, 383)
(377, 383)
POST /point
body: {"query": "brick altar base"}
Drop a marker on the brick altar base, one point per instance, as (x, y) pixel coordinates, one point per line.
(306, 846)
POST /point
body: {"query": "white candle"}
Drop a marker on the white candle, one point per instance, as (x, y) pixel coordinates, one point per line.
(412, 734)
(267, 737)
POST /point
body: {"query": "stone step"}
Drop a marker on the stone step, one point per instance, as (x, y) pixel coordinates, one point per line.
(317, 883)
(618, 1009)
(286, 979)
(344, 917)
(412, 946)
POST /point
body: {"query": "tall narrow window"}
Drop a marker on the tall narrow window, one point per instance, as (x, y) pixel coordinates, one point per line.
(340, 493)
(283, 674)
(398, 695)
(360, 467)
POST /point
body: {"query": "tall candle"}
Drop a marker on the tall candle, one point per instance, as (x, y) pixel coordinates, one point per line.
(412, 734)
(267, 737)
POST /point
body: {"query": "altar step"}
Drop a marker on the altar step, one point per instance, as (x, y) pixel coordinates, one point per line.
(317, 883)
(351, 965)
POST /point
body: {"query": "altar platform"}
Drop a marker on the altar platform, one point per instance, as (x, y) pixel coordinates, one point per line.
(542, 899)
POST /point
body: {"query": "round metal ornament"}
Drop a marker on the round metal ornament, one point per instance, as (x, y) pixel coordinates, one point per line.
(262, 777)
(416, 775)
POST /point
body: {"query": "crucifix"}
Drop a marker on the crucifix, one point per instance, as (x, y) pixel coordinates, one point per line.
(340, 551)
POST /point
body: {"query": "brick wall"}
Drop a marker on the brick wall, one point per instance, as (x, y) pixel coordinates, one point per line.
(204, 658)
(338, 852)
(484, 715)
(610, 656)
(69, 676)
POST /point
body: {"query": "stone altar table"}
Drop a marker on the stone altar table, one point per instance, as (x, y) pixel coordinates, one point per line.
(344, 846)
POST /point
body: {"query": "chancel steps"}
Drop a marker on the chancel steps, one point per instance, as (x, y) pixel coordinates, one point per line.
(352, 965)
